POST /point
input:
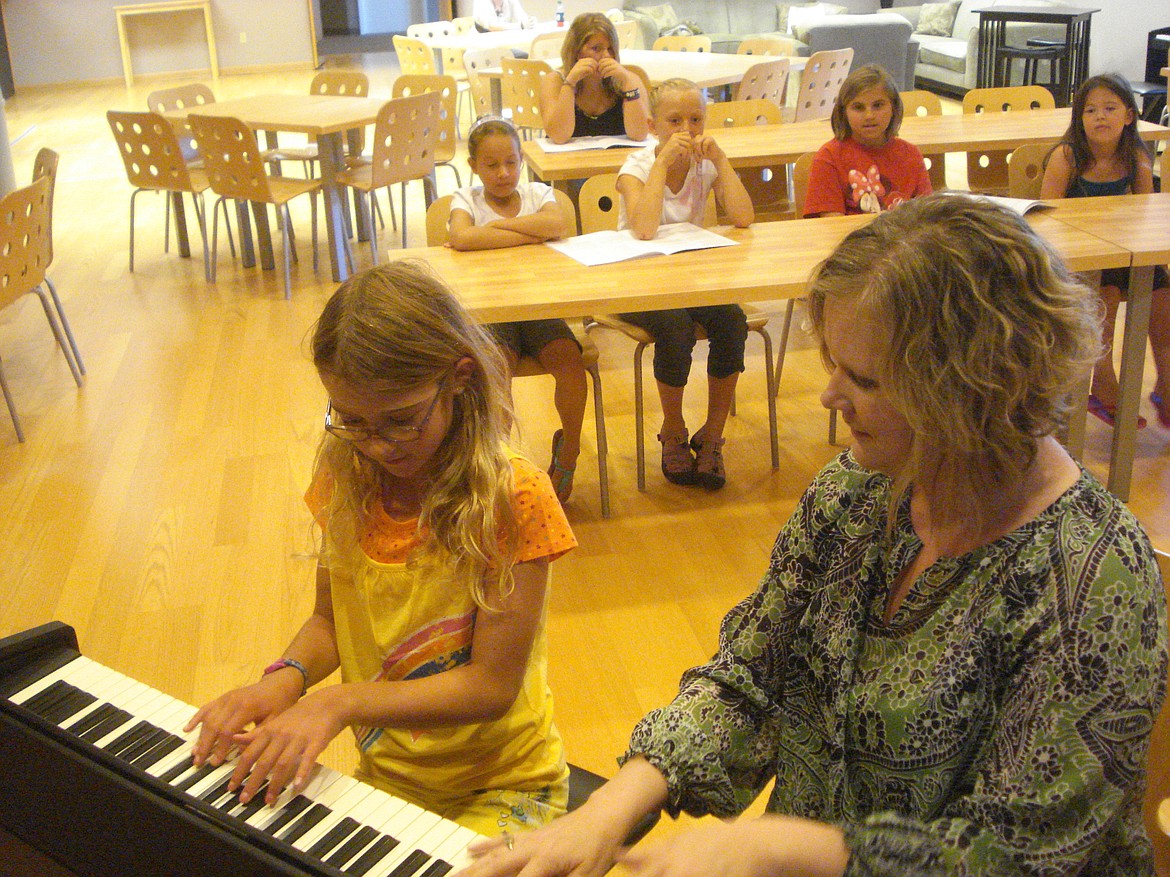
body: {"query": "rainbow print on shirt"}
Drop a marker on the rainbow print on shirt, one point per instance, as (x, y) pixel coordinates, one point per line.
(435, 648)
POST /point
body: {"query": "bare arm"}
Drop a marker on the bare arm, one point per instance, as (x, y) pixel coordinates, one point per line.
(546, 224)
(558, 100)
(635, 113)
(1143, 183)
(729, 189)
(643, 201)
(1058, 174)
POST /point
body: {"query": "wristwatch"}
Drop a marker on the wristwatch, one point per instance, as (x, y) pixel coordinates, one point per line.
(632, 94)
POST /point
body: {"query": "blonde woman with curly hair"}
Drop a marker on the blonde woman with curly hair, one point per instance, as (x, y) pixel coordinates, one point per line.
(432, 579)
(593, 94)
(955, 658)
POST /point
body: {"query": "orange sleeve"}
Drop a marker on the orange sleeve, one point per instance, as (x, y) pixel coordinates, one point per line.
(544, 529)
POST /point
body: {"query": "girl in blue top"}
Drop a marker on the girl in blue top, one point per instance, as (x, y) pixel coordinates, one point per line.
(1102, 154)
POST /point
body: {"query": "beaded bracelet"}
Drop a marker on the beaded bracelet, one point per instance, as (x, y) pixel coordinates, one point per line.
(296, 665)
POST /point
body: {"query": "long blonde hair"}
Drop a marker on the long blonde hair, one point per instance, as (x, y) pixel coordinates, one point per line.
(989, 334)
(397, 328)
(583, 27)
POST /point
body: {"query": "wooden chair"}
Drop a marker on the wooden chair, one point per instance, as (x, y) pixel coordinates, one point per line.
(521, 93)
(987, 171)
(1156, 805)
(452, 58)
(820, 81)
(181, 97)
(338, 83)
(405, 135)
(641, 73)
(153, 158)
(414, 56)
(767, 80)
(598, 203)
(236, 171)
(45, 167)
(24, 256)
(1026, 169)
(445, 86)
(926, 103)
(437, 235)
(463, 24)
(696, 43)
(775, 47)
(629, 34)
(430, 29)
(768, 185)
(547, 47)
(475, 60)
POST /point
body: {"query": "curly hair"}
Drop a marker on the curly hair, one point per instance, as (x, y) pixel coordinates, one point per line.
(989, 333)
(863, 79)
(397, 328)
(583, 27)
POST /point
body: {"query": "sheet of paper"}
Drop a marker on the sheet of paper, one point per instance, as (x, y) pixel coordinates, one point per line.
(604, 247)
(579, 144)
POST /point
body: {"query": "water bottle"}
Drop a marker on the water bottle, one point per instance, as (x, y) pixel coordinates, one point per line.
(560, 13)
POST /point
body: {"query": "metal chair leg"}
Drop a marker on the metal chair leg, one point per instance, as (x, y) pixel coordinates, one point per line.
(639, 417)
(602, 441)
(11, 406)
(65, 325)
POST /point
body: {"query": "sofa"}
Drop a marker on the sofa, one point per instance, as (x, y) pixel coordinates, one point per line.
(882, 38)
(948, 56)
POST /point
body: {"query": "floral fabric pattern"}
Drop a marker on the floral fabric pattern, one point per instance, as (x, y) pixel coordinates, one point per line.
(997, 724)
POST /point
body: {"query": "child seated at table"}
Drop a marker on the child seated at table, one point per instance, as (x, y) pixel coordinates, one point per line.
(503, 212)
(1102, 154)
(866, 167)
(668, 182)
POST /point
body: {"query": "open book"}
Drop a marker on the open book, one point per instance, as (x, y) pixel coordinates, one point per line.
(1017, 205)
(603, 247)
(578, 144)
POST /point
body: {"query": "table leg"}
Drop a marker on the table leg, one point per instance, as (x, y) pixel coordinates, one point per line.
(354, 142)
(263, 235)
(1133, 360)
(336, 227)
(247, 252)
(181, 238)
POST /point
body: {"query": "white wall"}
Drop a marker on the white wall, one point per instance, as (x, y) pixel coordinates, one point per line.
(77, 40)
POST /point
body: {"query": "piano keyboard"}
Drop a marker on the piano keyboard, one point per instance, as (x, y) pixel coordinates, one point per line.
(348, 826)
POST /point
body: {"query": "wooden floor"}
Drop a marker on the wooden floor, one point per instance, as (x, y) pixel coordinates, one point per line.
(158, 508)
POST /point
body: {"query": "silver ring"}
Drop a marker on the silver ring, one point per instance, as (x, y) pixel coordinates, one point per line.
(509, 840)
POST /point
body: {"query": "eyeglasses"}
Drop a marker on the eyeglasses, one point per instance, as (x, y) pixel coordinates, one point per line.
(397, 433)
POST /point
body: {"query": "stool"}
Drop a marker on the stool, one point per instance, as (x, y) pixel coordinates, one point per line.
(1031, 56)
(1153, 98)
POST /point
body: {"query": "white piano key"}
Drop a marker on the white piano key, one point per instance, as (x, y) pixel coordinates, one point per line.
(340, 808)
(319, 780)
(408, 836)
(34, 688)
(453, 851)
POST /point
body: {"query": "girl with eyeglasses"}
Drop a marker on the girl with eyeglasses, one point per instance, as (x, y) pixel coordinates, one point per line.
(431, 581)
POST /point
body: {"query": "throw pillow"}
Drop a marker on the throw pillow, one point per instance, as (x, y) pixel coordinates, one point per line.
(937, 19)
(790, 16)
(663, 16)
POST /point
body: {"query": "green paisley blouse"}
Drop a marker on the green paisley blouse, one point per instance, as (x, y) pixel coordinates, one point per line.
(998, 725)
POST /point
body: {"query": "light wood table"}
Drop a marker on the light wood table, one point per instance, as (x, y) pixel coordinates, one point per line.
(705, 69)
(328, 119)
(1139, 224)
(768, 145)
(513, 38)
(121, 13)
(773, 262)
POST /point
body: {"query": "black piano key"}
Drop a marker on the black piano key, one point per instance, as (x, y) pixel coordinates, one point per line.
(216, 792)
(90, 719)
(151, 739)
(112, 722)
(348, 850)
(372, 856)
(162, 748)
(49, 697)
(253, 806)
(178, 770)
(287, 814)
(410, 864)
(195, 776)
(438, 869)
(333, 837)
(128, 738)
(311, 817)
(69, 706)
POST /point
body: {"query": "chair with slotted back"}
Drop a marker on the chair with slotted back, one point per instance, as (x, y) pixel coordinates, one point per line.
(820, 81)
(405, 134)
(778, 47)
(24, 256)
(629, 34)
(437, 235)
(452, 57)
(683, 43)
(180, 97)
(335, 83)
(236, 171)
(547, 47)
(598, 202)
(987, 170)
(414, 56)
(1156, 805)
(445, 87)
(768, 185)
(767, 80)
(475, 61)
(926, 103)
(153, 158)
(45, 167)
(521, 92)
(1026, 165)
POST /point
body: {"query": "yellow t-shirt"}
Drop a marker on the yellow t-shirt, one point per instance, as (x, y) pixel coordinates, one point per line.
(392, 625)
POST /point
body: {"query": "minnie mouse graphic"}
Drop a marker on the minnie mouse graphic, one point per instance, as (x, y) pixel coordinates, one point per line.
(868, 191)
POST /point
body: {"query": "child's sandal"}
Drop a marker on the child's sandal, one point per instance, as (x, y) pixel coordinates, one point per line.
(562, 476)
